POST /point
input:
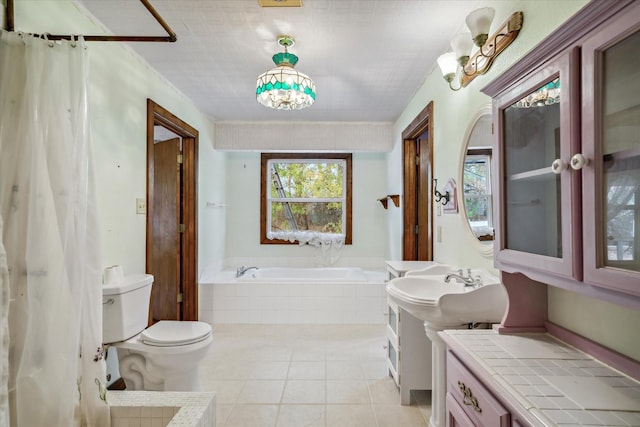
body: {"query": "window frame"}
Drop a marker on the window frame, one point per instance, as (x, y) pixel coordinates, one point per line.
(482, 153)
(303, 157)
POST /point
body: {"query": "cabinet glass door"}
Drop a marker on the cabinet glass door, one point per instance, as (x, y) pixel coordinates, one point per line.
(533, 192)
(612, 139)
(537, 185)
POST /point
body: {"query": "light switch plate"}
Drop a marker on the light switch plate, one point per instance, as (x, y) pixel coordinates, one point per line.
(141, 206)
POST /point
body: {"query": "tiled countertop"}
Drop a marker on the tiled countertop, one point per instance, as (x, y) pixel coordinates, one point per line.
(549, 382)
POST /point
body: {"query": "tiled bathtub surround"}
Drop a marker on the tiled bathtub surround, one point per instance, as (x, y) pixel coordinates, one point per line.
(535, 369)
(162, 409)
(223, 301)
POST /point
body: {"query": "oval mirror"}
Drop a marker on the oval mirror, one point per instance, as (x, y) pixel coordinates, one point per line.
(475, 176)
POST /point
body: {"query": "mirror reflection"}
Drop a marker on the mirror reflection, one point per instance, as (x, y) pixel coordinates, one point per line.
(476, 179)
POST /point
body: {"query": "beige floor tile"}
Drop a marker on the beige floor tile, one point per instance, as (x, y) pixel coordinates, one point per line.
(307, 370)
(227, 369)
(384, 391)
(398, 415)
(349, 391)
(252, 416)
(266, 370)
(375, 369)
(350, 416)
(301, 416)
(227, 392)
(309, 355)
(260, 374)
(222, 413)
(344, 369)
(261, 392)
(304, 391)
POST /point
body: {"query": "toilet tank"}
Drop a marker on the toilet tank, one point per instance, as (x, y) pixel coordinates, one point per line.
(125, 307)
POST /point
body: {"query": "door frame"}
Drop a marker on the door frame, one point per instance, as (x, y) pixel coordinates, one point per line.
(418, 208)
(157, 115)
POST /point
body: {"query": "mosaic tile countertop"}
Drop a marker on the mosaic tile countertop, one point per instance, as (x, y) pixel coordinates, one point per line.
(554, 384)
(166, 408)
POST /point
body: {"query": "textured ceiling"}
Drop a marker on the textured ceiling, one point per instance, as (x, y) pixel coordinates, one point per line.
(367, 57)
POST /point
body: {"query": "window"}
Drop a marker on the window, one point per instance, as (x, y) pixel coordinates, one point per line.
(303, 192)
(477, 191)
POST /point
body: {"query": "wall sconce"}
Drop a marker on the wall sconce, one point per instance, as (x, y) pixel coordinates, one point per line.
(439, 196)
(468, 68)
(395, 198)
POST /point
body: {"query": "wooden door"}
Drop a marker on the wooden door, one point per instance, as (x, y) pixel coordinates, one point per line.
(172, 253)
(418, 194)
(166, 258)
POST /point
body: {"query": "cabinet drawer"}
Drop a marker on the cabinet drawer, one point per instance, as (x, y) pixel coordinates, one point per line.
(476, 401)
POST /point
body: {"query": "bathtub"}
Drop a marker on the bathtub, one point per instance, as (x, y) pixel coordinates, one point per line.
(301, 274)
(284, 295)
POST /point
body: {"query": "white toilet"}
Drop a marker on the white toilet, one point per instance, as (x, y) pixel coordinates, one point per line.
(163, 357)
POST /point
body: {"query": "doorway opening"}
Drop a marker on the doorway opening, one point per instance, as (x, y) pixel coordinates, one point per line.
(171, 247)
(417, 155)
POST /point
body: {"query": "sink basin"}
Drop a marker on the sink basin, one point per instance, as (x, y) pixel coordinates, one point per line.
(443, 305)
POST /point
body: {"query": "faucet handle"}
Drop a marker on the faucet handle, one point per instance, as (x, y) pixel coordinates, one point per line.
(469, 272)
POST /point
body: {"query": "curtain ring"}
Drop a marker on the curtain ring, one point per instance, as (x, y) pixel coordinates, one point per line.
(73, 40)
(45, 36)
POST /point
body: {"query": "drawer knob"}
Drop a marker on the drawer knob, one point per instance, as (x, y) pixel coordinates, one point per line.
(467, 397)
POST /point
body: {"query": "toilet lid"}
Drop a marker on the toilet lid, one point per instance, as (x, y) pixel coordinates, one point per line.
(174, 332)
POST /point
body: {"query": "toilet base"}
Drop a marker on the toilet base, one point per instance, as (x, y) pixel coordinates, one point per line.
(140, 374)
(145, 367)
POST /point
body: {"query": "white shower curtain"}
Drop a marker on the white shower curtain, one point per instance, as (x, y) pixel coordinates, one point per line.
(56, 366)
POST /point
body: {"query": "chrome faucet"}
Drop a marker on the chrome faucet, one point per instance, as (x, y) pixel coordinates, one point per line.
(241, 270)
(460, 278)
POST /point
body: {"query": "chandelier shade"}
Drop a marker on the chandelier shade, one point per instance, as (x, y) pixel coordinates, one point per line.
(284, 87)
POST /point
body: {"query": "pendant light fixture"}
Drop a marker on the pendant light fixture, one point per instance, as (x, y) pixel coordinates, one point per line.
(283, 87)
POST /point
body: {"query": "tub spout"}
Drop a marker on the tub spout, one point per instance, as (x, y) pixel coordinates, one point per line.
(241, 270)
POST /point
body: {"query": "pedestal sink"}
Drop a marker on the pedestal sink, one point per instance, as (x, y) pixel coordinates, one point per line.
(440, 305)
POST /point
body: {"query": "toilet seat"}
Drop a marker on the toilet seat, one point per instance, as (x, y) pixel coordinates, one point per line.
(172, 333)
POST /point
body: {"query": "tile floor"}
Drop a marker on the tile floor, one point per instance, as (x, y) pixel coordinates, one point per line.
(306, 375)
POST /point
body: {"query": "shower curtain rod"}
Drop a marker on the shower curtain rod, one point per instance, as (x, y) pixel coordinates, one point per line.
(170, 38)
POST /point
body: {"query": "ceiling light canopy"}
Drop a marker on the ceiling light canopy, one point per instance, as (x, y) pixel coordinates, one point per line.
(283, 87)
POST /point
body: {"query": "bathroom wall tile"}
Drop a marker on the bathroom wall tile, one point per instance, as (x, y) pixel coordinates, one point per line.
(145, 412)
(224, 289)
(206, 316)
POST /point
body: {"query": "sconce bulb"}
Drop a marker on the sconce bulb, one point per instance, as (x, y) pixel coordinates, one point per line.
(462, 45)
(448, 64)
(479, 22)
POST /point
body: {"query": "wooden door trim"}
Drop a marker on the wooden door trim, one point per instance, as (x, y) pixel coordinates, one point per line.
(424, 239)
(158, 114)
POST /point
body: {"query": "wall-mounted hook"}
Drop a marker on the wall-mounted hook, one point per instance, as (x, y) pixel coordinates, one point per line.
(383, 201)
(439, 195)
